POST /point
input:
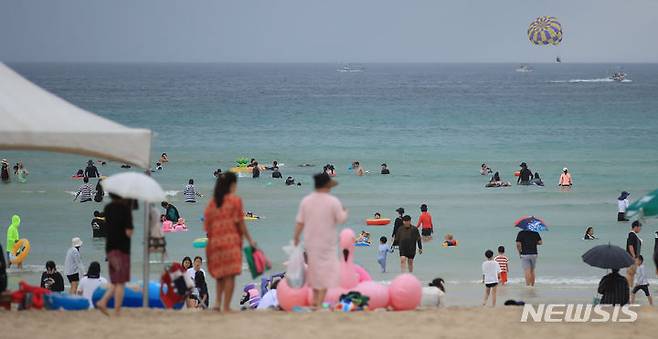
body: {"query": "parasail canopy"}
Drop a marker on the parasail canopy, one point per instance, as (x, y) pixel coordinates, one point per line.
(545, 30)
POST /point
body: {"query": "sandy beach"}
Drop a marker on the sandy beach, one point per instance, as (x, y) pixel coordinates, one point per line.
(501, 322)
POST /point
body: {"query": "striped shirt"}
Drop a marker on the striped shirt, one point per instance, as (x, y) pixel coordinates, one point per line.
(85, 192)
(190, 193)
(502, 262)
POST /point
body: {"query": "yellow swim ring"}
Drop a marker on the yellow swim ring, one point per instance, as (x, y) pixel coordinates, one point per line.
(20, 251)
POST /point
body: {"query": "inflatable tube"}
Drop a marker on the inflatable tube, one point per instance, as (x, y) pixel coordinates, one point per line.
(254, 218)
(361, 244)
(240, 169)
(378, 222)
(57, 301)
(174, 229)
(452, 243)
(133, 296)
(200, 242)
(517, 173)
(20, 251)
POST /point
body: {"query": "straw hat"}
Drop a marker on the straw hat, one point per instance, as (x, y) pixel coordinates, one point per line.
(76, 242)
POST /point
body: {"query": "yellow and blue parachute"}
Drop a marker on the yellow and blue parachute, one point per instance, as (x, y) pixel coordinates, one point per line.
(545, 30)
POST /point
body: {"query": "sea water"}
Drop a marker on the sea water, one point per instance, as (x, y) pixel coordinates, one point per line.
(433, 124)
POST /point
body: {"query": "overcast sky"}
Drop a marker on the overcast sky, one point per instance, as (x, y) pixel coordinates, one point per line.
(323, 30)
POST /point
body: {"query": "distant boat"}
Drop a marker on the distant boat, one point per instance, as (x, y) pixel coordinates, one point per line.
(348, 68)
(524, 69)
(558, 60)
(618, 76)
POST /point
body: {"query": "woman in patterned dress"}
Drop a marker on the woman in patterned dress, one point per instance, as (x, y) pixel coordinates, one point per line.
(224, 224)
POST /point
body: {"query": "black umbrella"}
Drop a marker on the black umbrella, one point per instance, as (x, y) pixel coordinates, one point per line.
(608, 256)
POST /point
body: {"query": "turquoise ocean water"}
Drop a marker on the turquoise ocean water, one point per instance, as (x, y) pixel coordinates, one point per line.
(433, 124)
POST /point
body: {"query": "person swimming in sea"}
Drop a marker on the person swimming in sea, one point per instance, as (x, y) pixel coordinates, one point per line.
(484, 169)
(358, 169)
(497, 182)
(290, 181)
(589, 234)
(537, 180)
(276, 174)
(449, 240)
(385, 169)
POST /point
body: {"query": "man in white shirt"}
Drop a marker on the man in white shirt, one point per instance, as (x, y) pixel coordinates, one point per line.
(490, 277)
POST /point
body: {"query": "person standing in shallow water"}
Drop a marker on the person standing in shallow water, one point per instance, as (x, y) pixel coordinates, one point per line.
(526, 245)
(408, 237)
(224, 224)
(317, 219)
(525, 175)
(396, 225)
(622, 205)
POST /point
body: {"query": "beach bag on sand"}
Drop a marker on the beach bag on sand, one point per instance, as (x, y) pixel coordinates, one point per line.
(295, 266)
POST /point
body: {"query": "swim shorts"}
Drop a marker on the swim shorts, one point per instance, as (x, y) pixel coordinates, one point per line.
(119, 264)
(644, 288)
(528, 261)
(491, 285)
(426, 232)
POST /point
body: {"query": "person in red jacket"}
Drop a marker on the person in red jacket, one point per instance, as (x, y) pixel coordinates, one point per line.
(425, 223)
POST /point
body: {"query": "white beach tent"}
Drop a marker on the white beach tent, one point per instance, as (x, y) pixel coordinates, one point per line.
(34, 119)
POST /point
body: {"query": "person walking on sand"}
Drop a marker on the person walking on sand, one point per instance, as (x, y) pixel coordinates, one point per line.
(633, 247)
(408, 237)
(490, 277)
(224, 224)
(526, 245)
(73, 266)
(119, 222)
(12, 238)
(565, 178)
(318, 215)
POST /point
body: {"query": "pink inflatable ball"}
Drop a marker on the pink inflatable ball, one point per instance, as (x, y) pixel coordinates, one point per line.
(290, 297)
(378, 294)
(362, 273)
(406, 292)
(333, 294)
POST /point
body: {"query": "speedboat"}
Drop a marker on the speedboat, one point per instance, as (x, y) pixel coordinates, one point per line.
(348, 68)
(524, 69)
(618, 76)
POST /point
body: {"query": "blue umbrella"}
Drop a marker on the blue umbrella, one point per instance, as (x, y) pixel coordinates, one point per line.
(531, 224)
